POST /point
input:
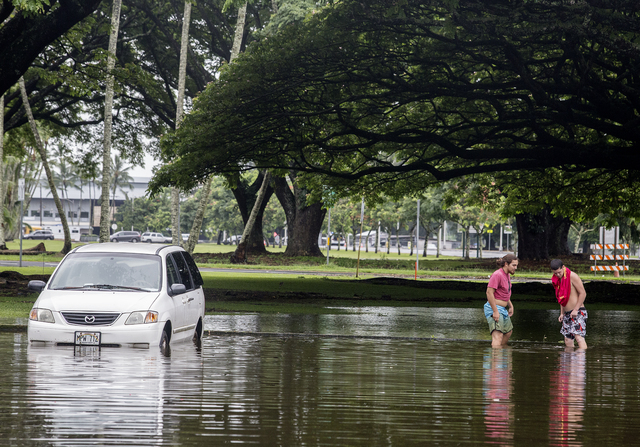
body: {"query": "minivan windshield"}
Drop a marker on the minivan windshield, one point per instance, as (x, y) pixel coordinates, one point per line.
(127, 271)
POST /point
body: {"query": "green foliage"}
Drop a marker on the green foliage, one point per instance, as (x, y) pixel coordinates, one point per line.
(31, 6)
(390, 104)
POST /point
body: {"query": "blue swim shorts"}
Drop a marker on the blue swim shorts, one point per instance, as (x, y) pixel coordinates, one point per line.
(504, 323)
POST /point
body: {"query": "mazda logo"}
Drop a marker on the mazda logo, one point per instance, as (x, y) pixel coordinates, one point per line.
(89, 319)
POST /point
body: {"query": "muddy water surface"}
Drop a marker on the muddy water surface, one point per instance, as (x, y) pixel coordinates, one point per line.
(441, 385)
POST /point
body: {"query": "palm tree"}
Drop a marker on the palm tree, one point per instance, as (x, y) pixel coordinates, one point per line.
(120, 178)
(65, 177)
(108, 120)
(66, 248)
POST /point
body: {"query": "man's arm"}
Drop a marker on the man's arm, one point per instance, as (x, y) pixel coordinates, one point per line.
(492, 302)
(561, 313)
(577, 284)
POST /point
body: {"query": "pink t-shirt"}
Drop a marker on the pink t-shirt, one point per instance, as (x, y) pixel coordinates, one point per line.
(502, 283)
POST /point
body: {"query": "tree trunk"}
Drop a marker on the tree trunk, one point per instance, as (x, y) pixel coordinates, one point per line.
(199, 217)
(108, 122)
(246, 197)
(426, 241)
(176, 237)
(176, 232)
(66, 248)
(304, 221)
(3, 244)
(240, 255)
(239, 32)
(542, 236)
(467, 243)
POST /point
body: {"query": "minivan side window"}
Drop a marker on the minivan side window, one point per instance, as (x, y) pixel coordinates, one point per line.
(195, 273)
(173, 277)
(183, 270)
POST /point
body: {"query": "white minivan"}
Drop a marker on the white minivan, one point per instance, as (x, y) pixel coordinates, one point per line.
(111, 295)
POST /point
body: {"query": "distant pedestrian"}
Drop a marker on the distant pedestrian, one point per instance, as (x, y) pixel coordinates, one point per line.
(570, 294)
(499, 309)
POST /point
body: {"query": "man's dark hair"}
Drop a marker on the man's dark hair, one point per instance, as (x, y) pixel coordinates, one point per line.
(556, 264)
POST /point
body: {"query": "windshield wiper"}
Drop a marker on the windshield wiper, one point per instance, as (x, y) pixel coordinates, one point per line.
(131, 288)
(100, 286)
(103, 286)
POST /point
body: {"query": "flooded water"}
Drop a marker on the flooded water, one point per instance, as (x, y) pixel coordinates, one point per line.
(378, 377)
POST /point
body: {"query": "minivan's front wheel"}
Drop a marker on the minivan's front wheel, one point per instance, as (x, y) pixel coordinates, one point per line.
(164, 343)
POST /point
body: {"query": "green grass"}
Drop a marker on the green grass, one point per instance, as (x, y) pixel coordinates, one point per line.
(15, 307)
(310, 292)
(300, 294)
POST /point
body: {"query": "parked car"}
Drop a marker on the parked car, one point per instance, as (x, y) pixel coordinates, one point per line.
(39, 234)
(112, 295)
(157, 238)
(125, 236)
(234, 239)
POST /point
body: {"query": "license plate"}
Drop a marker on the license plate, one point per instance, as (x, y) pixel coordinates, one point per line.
(88, 338)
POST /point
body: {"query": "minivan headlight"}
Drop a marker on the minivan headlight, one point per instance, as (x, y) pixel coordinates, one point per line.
(141, 317)
(44, 315)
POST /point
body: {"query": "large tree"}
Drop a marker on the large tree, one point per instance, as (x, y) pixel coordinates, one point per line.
(395, 95)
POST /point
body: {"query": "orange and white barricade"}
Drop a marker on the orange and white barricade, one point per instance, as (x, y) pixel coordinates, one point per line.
(604, 257)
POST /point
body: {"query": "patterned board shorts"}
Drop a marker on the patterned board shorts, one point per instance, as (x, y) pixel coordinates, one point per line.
(576, 325)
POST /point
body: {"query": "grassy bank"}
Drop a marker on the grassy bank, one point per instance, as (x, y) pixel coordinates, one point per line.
(295, 294)
(315, 287)
(349, 262)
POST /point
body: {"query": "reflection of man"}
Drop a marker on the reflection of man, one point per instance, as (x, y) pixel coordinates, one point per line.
(567, 398)
(498, 410)
(570, 294)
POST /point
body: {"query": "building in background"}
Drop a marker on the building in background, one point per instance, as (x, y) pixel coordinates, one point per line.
(81, 205)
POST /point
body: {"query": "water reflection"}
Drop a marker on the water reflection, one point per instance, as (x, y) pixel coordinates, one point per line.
(567, 396)
(498, 386)
(124, 396)
(537, 326)
(358, 391)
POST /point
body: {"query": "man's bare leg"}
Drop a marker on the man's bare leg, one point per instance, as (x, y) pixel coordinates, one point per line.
(582, 343)
(496, 339)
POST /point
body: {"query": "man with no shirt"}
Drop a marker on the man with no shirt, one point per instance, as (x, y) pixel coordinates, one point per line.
(570, 294)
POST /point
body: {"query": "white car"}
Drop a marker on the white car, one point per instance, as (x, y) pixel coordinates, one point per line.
(157, 238)
(112, 295)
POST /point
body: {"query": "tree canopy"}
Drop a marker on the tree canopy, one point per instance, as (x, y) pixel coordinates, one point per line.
(27, 27)
(391, 95)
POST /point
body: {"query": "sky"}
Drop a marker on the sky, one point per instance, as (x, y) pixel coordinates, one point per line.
(149, 163)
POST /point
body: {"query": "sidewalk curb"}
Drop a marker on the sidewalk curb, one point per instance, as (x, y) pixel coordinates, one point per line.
(13, 328)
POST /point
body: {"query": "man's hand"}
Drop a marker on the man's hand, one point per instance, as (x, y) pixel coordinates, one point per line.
(496, 315)
(560, 317)
(574, 313)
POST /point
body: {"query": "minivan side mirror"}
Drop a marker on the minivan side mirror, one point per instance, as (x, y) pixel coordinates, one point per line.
(36, 285)
(177, 289)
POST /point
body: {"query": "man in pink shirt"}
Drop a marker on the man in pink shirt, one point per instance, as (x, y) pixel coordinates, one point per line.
(499, 309)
